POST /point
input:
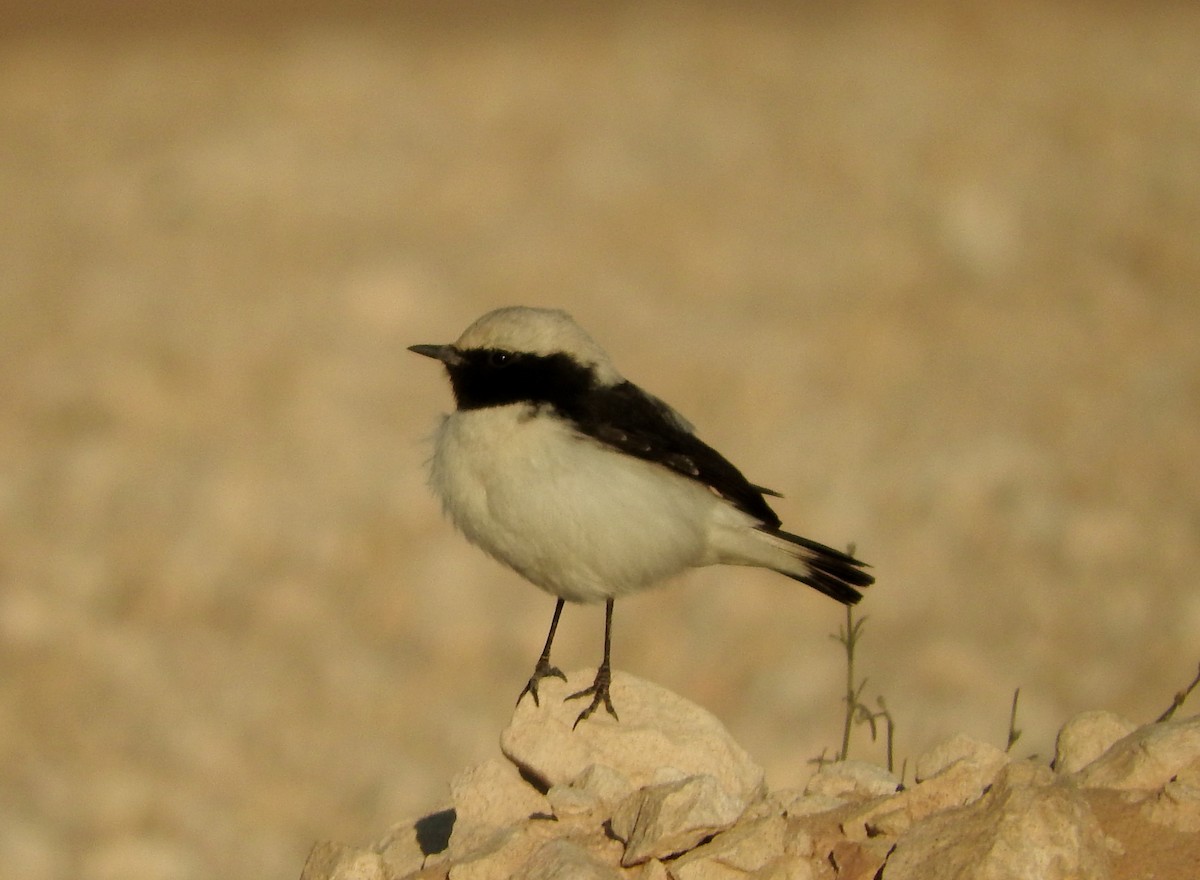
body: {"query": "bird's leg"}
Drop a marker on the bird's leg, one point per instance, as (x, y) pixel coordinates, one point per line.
(543, 668)
(599, 689)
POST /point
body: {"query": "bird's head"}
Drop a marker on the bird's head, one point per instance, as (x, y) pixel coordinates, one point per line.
(522, 354)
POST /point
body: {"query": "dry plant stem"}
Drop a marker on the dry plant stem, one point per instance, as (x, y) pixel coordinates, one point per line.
(856, 711)
(1013, 733)
(821, 760)
(1179, 699)
(866, 716)
(849, 639)
(891, 734)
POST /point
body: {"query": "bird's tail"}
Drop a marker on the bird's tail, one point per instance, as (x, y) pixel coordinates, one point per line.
(832, 572)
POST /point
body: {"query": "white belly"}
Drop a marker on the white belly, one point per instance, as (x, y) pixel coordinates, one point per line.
(578, 520)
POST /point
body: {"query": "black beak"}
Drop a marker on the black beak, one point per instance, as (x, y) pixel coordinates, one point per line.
(447, 354)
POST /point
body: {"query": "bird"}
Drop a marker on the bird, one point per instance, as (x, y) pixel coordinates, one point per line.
(589, 487)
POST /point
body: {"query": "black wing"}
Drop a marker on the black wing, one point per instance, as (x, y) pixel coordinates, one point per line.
(632, 421)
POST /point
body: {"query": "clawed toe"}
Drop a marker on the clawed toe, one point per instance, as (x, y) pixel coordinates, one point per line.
(599, 689)
(542, 670)
(599, 694)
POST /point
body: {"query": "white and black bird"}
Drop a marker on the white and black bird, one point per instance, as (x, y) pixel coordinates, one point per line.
(591, 488)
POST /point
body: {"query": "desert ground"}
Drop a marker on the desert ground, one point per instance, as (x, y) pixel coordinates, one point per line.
(931, 272)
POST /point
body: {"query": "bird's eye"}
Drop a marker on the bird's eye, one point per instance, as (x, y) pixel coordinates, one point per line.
(498, 358)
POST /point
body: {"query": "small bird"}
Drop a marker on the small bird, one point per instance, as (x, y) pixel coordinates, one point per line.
(591, 488)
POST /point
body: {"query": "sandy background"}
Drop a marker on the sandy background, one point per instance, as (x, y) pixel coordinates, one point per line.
(932, 275)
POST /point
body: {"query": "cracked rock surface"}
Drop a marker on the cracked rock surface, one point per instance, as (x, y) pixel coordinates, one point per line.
(668, 795)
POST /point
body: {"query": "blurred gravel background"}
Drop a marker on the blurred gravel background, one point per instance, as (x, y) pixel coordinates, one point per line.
(931, 273)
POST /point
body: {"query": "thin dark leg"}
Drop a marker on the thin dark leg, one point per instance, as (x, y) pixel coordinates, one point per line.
(599, 688)
(543, 668)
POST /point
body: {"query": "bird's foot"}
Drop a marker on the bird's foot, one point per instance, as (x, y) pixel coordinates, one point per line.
(542, 670)
(599, 694)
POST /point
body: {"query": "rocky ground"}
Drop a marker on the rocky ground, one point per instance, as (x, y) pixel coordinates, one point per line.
(929, 270)
(667, 793)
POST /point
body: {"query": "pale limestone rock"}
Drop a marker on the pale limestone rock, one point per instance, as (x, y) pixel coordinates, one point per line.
(1031, 823)
(1140, 848)
(882, 816)
(493, 793)
(661, 820)
(794, 803)
(1026, 826)
(567, 860)
(569, 802)
(490, 801)
(799, 842)
(543, 849)
(1188, 774)
(1086, 737)
(859, 860)
(813, 836)
(1146, 759)
(654, 870)
(411, 845)
(705, 870)
(952, 774)
(500, 854)
(1176, 806)
(786, 867)
(487, 853)
(400, 852)
(329, 860)
(747, 847)
(608, 785)
(660, 736)
(960, 750)
(852, 779)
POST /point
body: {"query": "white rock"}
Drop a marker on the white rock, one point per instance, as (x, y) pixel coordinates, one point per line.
(960, 750)
(1176, 806)
(607, 784)
(661, 820)
(499, 855)
(329, 860)
(569, 802)
(794, 803)
(1026, 826)
(859, 860)
(852, 779)
(705, 870)
(787, 867)
(1086, 737)
(654, 870)
(493, 793)
(1147, 759)
(566, 860)
(747, 847)
(953, 774)
(490, 800)
(889, 817)
(413, 844)
(660, 735)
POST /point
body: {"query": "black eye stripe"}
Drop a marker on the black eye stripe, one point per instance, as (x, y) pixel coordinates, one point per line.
(496, 377)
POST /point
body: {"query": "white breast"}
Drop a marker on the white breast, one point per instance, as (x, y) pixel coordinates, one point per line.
(577, 519)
